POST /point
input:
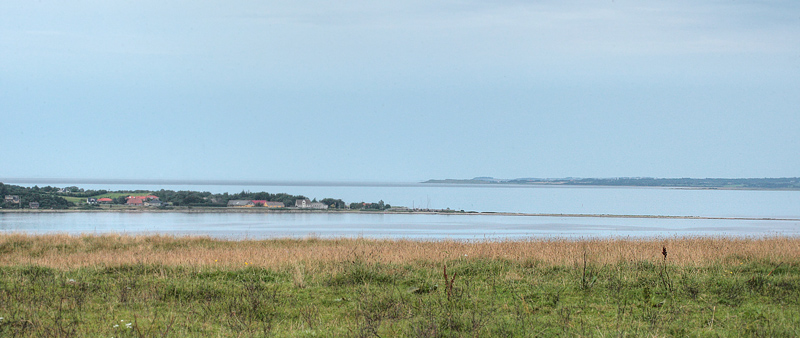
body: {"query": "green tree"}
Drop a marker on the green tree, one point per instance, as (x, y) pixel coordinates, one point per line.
(334, 203)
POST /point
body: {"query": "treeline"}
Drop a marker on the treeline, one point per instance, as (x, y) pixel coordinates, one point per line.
(370, 206)
(51, 197)
(205, 198)
(72, 191)
(43, 196)
(197, 198)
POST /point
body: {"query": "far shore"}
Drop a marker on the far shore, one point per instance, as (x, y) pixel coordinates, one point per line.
(414, 212)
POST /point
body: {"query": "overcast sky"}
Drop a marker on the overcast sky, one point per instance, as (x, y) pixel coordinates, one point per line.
(399, 90)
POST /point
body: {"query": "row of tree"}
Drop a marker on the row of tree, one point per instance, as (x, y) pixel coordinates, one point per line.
(370, 206)
(197, 198)
(50, 197)
(46, 199)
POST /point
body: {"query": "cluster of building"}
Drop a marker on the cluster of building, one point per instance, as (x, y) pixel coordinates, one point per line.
(253, 203)
(147, 201)
(14, 199)
(153, 201)
(307, 204)
(135, 201)
(301, 203)
(102, 200)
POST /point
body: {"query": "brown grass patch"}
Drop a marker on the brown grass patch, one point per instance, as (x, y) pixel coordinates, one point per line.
(65, 251)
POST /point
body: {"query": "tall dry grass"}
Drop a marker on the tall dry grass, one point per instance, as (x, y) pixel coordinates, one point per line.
(65, 251)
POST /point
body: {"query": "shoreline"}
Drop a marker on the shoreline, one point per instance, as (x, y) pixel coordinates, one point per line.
(431, 212)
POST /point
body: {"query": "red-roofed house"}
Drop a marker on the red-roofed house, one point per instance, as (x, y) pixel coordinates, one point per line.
(135, 201)
(144, 198)
(104, 200)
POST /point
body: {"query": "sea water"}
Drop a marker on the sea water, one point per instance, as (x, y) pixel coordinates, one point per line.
(767, 213)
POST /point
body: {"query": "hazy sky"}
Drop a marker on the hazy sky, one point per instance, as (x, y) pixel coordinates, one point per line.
(399, 90)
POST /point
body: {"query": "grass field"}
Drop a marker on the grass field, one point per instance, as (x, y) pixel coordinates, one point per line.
(156, 286)
(76, 200)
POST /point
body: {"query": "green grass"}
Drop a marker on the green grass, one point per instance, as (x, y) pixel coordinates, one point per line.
(357, 298)
(76, 200)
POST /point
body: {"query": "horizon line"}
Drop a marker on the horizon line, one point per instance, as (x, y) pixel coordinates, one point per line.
(316, 183)
(50, 180)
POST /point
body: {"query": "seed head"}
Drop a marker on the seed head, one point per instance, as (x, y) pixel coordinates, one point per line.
(664, 252)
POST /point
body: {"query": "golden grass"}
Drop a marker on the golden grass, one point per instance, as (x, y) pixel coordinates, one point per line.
(65, 251)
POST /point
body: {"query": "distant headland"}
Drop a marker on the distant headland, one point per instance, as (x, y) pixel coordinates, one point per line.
(787, 183)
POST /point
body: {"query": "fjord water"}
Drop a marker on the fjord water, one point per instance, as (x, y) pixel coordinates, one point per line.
(537, 199)
(769, 213)
(397, 226)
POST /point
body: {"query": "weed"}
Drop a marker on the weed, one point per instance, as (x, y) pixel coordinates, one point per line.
(310, 315)
(359, 273)
(665, 280)
(449, 283)
(298, 277)
(587, 281)
(691, 286)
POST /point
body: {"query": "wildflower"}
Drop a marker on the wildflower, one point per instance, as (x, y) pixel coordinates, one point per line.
(116, 325)
(128, 325)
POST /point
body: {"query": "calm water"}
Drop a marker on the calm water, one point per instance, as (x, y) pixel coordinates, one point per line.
(420, 226)
(550, 200)
(539, 199)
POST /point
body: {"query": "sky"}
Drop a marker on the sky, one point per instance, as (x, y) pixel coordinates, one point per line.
(399, 90)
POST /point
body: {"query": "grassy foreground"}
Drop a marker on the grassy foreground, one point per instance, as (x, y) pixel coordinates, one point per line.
(157, 286)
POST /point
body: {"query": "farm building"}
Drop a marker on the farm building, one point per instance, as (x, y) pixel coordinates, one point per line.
(241, 204)
(135, 201)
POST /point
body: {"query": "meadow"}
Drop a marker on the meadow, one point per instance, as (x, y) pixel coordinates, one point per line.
(161, 286)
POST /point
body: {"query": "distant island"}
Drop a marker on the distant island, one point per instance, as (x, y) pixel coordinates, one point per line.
(788, 183)
(16, 197)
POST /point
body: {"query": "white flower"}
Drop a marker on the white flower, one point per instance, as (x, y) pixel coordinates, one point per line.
(116, 325)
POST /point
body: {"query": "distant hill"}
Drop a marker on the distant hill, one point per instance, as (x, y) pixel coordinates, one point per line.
(787, 183)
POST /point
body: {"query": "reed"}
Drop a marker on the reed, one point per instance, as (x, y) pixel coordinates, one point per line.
(65, 251)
